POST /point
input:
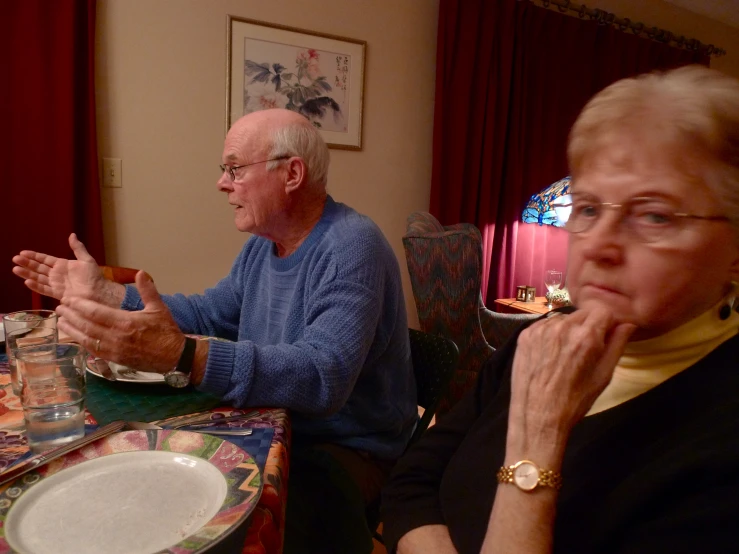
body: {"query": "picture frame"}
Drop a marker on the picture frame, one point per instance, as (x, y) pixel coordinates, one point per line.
(316, 74)
(521, 293)
(530, 294)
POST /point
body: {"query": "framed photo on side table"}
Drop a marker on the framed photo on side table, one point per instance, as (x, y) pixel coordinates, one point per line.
(318, 75)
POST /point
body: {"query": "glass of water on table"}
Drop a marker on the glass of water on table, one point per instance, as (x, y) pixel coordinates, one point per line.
(52, 378)
(20, 338)
(26, 328)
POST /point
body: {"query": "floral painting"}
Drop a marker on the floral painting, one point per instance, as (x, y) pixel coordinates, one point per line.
(311, 82)
(319, 76)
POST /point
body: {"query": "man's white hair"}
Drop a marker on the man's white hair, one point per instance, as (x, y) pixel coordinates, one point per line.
(303, 141)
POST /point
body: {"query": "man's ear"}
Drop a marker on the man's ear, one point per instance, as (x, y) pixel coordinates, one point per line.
(297, 174)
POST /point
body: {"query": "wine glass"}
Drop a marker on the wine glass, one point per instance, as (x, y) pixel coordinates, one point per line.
(552, 280)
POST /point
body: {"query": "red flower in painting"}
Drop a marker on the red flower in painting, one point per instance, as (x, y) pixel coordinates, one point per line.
(268, 102)
(304, 90)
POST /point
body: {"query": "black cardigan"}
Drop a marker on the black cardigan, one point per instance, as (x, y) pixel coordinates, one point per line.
(659, 473)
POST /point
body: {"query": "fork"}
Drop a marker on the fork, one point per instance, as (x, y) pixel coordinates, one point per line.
(107, 372)
(142, 425)
(204, 419)
(104, 369)
(127, 372)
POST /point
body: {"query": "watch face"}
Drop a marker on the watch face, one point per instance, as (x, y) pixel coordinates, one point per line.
(526, 476)
(177, 379)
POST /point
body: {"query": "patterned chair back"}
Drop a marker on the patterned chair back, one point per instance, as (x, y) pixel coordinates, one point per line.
(445, 266)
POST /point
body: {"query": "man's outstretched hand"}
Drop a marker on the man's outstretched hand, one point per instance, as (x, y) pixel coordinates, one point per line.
(58, 277)
(147, 339)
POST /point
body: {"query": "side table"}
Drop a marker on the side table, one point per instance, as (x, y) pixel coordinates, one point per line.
(513, 306)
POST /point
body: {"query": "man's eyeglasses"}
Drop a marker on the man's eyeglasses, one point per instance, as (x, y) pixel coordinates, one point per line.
(231, 169)
(648, 219)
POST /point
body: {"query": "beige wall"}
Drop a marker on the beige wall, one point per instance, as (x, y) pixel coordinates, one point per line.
(161, 103)
(658, 13)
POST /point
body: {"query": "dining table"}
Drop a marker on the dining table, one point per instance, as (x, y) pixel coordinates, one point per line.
(266, 525)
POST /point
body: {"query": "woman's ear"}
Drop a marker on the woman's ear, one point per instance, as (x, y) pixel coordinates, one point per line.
(297, 174)
(734, 270)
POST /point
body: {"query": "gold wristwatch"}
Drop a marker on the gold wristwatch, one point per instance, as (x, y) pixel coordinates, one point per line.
(526, 475)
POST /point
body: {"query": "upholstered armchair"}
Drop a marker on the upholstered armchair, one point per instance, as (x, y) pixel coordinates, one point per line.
(445, 266)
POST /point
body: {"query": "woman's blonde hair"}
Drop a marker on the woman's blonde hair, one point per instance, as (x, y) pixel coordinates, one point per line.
(693, 108)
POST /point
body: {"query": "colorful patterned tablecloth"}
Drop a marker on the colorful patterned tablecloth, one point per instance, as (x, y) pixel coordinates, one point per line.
(266, 529)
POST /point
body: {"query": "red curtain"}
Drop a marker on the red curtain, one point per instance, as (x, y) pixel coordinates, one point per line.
(49, 162)
(511, 79)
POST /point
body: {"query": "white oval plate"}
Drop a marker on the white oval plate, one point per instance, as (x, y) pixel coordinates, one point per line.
(142, 492)
(93, 507)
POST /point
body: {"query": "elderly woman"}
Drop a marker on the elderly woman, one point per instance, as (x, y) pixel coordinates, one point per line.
(612, 428)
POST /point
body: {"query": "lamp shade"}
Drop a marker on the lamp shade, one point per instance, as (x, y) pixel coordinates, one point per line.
(546, 207)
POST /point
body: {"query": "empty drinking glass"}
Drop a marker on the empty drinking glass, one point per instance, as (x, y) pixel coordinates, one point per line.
(34, 323)
(552, 280)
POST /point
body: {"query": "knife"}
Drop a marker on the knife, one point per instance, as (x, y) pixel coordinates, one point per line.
(202, 418)
(43, 459)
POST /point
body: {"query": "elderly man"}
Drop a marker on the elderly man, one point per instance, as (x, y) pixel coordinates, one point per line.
(313, 309)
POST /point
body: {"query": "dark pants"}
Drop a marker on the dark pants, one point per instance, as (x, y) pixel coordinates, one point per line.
(329, 490)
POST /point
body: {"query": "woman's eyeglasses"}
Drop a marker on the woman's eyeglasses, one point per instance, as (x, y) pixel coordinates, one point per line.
(648, 219)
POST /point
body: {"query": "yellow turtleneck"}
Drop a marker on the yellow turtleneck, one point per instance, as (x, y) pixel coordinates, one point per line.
(645, 364)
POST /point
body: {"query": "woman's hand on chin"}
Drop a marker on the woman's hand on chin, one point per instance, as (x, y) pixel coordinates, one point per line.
(561, 366)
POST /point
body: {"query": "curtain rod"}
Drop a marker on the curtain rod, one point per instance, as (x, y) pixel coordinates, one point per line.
(654, 33)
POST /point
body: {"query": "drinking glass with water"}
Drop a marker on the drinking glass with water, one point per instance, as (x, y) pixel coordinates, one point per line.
(52, 378)
(21, 338)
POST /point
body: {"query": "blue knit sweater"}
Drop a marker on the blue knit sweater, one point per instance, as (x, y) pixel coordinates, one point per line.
(322, 332)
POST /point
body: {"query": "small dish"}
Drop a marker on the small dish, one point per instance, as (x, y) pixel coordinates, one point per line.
(126, 374)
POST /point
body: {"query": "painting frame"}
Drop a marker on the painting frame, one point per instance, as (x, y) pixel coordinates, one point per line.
(243, 31)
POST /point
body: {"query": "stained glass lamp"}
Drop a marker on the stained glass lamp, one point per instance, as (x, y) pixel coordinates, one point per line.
(546, 207)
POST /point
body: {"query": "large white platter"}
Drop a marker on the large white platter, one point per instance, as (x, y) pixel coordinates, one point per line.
(142, 492)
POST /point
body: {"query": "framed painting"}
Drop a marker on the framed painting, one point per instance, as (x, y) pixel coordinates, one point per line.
(318, 75)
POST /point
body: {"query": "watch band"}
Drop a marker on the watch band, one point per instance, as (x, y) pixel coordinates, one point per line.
(513, 475)
(184, 365)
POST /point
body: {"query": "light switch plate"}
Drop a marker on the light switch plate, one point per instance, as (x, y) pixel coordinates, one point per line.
(112, 177)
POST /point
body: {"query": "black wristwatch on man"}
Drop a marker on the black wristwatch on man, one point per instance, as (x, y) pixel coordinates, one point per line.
(179, 377)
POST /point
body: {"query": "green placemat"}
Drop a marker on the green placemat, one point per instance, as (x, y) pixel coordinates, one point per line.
(111, 400)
